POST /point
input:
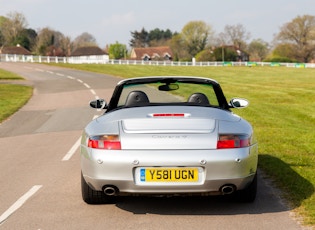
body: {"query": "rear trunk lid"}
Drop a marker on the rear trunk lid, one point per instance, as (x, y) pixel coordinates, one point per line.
(166, 127)
(168, 131)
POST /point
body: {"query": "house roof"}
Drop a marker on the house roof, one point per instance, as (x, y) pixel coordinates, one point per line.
(88, 51)
(151, 52)
(19, 50)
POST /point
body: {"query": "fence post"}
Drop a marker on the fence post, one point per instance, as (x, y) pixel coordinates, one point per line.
(193, 61)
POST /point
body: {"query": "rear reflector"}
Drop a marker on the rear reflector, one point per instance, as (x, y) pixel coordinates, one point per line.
(233, 141)
(110, 142)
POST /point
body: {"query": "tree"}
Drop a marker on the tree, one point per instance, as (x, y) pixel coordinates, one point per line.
(156, 37)
(49, 42)
(2, 41)
(27, 38)
(13, 31)
(66, 45)
(235, 35)
(12, 28)
(139, 39)
(178, 47)
(283, 52)
(2, 19)
(301, 33)
(85, 39)
(117, 51)
(195, 35)
(44, 40)
(258, 50)
(159, 37)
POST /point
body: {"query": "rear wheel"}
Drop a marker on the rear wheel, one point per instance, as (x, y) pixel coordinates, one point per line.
(248, 194)
(91, 196)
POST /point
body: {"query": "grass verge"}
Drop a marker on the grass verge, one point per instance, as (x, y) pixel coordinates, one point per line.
(5, 75)
(12, 97)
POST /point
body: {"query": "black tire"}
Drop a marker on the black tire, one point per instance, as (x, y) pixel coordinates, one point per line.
(248, 194)
(91, 196)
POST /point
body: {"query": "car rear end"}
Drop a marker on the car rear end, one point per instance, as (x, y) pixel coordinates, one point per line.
(176, 150)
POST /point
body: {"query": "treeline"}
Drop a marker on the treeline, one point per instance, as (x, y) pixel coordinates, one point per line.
(294, 42)
(46, 41)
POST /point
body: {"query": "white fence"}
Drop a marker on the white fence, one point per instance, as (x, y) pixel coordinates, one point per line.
(104, 59)
(96, 59)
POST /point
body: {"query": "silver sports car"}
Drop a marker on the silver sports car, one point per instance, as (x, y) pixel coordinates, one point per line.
(168, 136)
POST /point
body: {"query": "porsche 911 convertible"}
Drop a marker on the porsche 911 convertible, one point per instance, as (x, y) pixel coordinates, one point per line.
(168, 136)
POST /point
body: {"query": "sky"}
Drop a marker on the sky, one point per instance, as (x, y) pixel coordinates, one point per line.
(112, 21)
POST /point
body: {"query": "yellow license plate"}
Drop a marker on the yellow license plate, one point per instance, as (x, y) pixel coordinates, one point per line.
(169, 175)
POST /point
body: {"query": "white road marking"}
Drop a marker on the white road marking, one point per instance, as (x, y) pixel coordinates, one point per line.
(79, 80)
(19, 203)
(70, 77)
(86, 85)
(50, 72)
(92, 91)
(40, 70)
(72, 150)
(59, 74)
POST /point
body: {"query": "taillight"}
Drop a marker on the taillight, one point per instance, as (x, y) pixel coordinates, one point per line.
(233, 141)
(110, 142)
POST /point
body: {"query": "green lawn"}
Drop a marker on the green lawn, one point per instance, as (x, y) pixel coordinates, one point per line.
(5, 75)
(282, 111)
(12, 97)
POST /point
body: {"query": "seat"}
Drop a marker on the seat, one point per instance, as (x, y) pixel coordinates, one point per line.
(137, 98)
(199, 98)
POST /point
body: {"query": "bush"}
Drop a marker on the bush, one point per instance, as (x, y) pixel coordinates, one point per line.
(281, 59)
(205, 55)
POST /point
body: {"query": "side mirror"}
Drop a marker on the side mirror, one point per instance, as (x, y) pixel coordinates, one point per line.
(238, 103)
(98, 104)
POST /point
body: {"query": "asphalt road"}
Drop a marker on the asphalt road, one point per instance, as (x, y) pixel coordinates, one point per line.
(40, 169)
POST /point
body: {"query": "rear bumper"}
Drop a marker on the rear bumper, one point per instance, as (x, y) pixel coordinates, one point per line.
(235, 167)
(209, 187)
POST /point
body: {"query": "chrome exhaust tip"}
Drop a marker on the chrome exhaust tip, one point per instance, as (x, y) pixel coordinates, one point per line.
(110, 190)
(227, 189)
